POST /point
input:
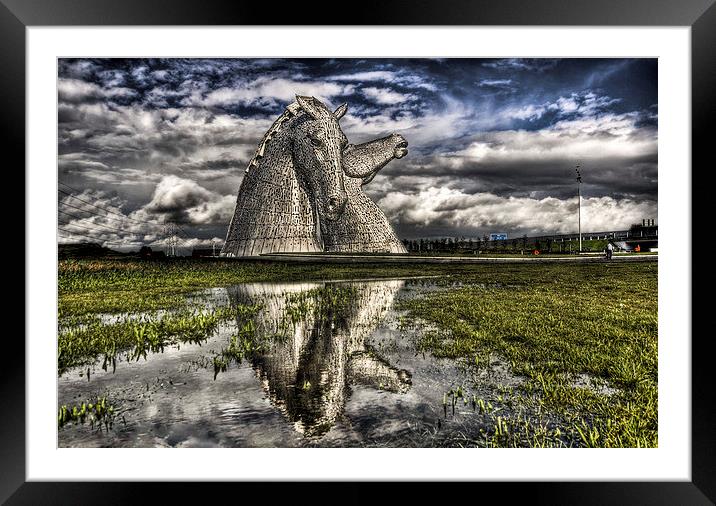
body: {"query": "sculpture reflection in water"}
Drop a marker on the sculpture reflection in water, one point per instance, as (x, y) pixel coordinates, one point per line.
(313, 346)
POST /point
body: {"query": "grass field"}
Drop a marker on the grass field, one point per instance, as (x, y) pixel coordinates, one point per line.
(124, 284)
(583, 336)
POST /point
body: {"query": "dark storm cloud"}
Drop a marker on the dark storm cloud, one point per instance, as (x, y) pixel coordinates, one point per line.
(493, 143)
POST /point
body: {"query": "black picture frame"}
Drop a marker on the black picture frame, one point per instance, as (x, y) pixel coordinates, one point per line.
(700, 15)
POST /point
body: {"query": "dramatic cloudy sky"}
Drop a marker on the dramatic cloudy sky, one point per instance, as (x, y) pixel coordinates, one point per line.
(493, 143)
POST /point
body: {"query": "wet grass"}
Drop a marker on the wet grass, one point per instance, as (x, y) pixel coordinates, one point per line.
(241, 347)
(321, 303)
(98, 412)
(553, 325)
(85, 340)
(131, 285)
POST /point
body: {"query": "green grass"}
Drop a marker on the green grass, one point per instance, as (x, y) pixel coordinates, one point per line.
(99, 412)
(131, 285)
(554, 323)
(241, 347)
(550, 323)
(82, 341)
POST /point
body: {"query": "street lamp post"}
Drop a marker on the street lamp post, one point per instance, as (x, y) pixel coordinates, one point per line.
(579, 205)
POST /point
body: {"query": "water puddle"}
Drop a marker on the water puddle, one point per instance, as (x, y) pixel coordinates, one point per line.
(319, 364)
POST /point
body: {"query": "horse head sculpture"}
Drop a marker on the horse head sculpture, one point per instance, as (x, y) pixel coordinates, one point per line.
(363, 161)
(363, 227)
(294, 182)
(318, 146)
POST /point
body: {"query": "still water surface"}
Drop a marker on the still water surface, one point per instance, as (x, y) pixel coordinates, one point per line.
(341, 374)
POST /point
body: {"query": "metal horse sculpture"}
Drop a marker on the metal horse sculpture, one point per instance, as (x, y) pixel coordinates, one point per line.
(294, 181)
(363, 227)
(302, 189)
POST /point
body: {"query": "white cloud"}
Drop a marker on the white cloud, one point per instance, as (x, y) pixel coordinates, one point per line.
(404, 79)
(78, 69)
(99, 215)
(481, 212)
(617, 125)
(270, 91)
(112, 78)
(183, 200)
(477, 151)
(579, 104)
(76, 90)
(529, 112)
(421, 128)
(499, 83)
(565, 105)
(584, 138)
(158, 138)
(376, 75)
(215, 212)
(386, 96)
(76, 161)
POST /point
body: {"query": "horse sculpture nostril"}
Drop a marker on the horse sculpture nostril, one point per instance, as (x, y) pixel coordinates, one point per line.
(401, 142)
(336, 204)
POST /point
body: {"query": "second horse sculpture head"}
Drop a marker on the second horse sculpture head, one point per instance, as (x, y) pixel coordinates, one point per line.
(318, 146)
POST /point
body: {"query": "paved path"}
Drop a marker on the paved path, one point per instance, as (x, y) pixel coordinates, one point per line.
(414, 259)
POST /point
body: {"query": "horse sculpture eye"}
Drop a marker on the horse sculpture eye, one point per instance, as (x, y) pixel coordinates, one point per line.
(316, 143)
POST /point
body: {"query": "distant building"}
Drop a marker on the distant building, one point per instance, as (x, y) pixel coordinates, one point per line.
(642, 237)
(647, 228)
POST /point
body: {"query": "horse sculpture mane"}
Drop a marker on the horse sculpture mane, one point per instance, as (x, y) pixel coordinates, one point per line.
(301, 191)
(292, 110)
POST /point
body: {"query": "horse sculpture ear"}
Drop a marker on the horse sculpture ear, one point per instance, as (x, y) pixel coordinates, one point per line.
(340, 111)
(310, 106)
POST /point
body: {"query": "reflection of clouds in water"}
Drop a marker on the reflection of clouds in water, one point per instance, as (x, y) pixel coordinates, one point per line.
(310, 361)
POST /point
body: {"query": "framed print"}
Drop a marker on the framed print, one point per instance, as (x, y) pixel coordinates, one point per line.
(254, 255)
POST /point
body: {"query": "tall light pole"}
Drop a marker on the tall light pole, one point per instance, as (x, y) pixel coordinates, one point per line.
(579, 205)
